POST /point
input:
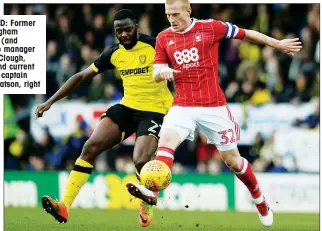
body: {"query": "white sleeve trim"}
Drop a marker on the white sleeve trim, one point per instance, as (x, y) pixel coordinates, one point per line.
(229, 30)
(160, 65)
(236, 31)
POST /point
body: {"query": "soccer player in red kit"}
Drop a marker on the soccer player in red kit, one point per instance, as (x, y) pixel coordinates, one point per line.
(187, 53)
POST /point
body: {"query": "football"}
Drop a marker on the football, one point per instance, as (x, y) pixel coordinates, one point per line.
(155, 175)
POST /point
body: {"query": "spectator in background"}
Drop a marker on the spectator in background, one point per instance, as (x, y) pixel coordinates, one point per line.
(277, 165)
(245, 92)
(303, 63)
(308, 67)
(67, 69)
(15, 10)
(262, 19)
(99, 32)
(73, 146)
(249, 52)
(231, 58)
(86, 57)
(316, 86)
(125, 164)
(282, 17)
(310, 122)
(261, 94)
(18, 149)
(205, 154)
(301, 93)
(144, 24)
(266, 155)
(214, 166)
(87, 15)
(245, 16)
(52, 67)
(52, 64)
(111, 12)
(41, 150)
(67, 40)
(317, 52)
(254, 151)
(89, 39)
(29, 10)
(271, 67)
(282, 91)
(223, 74)
(96, 89)
(231, 91)
(111, 93)
(247, 71)
(36, 163)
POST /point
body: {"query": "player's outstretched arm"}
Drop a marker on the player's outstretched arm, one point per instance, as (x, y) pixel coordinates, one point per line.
(72, 84)
(287, 46)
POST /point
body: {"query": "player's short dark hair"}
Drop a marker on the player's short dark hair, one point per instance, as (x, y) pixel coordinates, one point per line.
(124, 14)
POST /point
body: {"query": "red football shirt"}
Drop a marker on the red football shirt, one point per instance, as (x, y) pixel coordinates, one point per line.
(194, 53)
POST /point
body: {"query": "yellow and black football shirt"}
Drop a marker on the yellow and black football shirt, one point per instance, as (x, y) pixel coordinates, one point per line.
(135, 66)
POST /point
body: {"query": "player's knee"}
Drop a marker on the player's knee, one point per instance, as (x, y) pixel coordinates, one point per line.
(170, 138)
(232, 160)
(90, 150)
(233, 165)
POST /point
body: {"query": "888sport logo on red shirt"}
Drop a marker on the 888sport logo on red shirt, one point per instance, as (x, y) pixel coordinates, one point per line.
(187, 57)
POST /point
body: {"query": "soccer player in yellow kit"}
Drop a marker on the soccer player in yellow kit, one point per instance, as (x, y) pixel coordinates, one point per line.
(140, 111)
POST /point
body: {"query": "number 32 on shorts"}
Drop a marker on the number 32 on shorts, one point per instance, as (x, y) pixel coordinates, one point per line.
(225, 135)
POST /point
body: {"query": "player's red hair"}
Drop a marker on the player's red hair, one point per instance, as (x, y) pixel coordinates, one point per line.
(184, 3)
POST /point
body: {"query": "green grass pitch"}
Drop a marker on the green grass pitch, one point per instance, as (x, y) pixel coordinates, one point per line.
(18, 219)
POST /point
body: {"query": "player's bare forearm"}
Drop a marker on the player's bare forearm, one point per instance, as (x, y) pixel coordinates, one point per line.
(72, 84)
(259, 38)
(287, 46)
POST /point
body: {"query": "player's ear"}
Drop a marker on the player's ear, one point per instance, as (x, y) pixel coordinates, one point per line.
(189, 11)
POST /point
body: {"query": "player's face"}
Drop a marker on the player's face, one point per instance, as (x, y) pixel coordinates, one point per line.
(126, 32)
(178, 16)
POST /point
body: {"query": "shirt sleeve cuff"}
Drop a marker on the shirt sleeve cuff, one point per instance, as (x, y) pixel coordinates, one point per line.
(94, 68)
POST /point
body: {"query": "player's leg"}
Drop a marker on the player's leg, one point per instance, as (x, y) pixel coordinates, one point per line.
(172, 136)
(245, 174)
(148, 128)
(144, 151)
(221, 129)
(178, 125)
(105, 136)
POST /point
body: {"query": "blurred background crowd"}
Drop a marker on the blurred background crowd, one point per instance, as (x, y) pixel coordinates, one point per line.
(249, 74)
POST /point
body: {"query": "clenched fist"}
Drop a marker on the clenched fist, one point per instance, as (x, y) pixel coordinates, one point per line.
(42, 108)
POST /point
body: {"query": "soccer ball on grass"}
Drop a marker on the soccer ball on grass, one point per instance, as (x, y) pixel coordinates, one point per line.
(155, 175)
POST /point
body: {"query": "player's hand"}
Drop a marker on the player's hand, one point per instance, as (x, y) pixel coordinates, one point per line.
(42, 108)
(167, 73)
(289, 46)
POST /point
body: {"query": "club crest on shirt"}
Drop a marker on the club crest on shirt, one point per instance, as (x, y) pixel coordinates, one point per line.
(198, 36)
(142, 58)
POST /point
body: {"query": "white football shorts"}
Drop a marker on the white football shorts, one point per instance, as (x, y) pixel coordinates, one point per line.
(216, 123)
